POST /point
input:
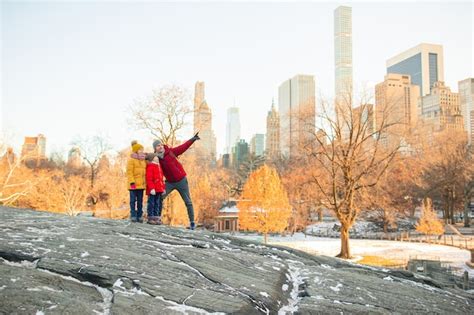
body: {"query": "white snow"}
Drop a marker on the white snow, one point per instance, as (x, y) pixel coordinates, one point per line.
(222, 240)
(232, 209)
(39, 313)
(388, 278)
(185, 309)
(72, 239)
(129, 292)
(23, 263)
(327, 267)
(337, 288)
(284, 287)
(85, 254)
(50, 289)
(294, 276)
(265, 294)
(396, 250)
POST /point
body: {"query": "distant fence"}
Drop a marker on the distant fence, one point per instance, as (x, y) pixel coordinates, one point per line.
(465, 242)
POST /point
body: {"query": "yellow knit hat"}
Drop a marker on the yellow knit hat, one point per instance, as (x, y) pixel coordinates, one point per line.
(136, 146)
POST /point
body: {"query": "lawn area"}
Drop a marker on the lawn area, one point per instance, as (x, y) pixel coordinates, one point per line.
(378, 261)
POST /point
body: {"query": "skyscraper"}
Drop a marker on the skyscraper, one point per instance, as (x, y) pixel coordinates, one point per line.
(441, 109)
(466, 100)
(34, 147)
(272, 146)
(199, 97)
(240, 152)
(74, 158)
(297, 107)
(396, 101)
(232, 128)
(206, 148)
(257, 144)
(343, 52)
(424, 63)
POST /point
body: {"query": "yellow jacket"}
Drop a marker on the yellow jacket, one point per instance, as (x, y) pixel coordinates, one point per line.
(136, 173)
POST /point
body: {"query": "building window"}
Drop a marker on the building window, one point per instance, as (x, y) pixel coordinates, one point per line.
(227, 224)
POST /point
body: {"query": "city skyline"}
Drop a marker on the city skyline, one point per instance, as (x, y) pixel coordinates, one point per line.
(51, 72)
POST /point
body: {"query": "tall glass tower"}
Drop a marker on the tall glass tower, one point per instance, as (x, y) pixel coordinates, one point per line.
(343, 52)
(232, 128)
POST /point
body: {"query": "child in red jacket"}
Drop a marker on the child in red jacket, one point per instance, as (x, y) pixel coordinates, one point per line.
(155, 188)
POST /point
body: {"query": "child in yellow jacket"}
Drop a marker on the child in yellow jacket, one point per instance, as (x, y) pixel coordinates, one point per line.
(136, 167)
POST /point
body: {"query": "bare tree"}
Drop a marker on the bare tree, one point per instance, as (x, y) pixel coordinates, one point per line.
(74, 194)
(92, 149)
(163, 114)
(449, 170)
(16, 180)
(351, 158)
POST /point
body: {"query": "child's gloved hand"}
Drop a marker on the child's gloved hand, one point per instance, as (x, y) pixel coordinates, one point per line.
(133, 186)
(153, 192)
(163, 193)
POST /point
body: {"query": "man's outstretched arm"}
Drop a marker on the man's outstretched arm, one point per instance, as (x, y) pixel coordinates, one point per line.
(180, 149)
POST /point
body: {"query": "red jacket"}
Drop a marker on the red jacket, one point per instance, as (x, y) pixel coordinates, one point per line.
(173, 170)
(154, 178)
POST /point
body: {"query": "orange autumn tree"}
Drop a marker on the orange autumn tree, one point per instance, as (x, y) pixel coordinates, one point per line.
(429, 223)
(264, 205)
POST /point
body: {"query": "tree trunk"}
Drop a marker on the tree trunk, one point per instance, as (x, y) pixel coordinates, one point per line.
(345, 250)
(446, 207)
(320, 215)
(451, 205)
(468, 193)
(467, 202)
(92, 176)
(265, 235)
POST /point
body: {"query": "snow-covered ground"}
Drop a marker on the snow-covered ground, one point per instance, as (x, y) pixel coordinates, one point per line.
(363, 228)
(452, 256)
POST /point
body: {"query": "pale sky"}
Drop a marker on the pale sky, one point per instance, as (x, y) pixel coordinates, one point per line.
(71, 68)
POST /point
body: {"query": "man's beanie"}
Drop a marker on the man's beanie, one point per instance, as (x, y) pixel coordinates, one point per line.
(136, 146)
(155, 143)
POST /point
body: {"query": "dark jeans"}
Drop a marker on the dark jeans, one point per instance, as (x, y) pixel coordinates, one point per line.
(155, 204)
(183, 188)
(136, 204)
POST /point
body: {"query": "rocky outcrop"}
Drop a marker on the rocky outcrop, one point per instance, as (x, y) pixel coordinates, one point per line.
(78, 265)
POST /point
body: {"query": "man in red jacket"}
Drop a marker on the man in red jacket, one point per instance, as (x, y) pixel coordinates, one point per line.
(174, 172)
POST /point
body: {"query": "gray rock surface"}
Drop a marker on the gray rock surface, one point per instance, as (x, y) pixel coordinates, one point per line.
(80, 265)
